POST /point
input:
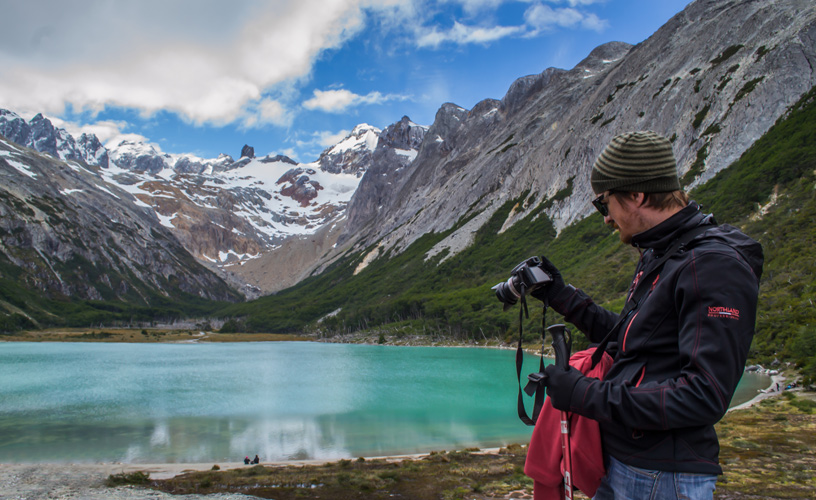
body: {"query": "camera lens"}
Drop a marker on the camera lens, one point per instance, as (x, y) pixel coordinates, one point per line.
(506, 291)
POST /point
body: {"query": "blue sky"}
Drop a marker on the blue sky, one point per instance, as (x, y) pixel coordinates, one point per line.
(286, 76)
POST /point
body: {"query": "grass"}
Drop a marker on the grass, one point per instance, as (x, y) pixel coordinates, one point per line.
(769, 451)
(442, 475)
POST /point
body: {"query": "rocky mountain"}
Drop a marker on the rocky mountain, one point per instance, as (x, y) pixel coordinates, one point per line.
(226, 212)
(41, 135)
(66, 232)
(377, 159)
(352, 155)
(713, 79)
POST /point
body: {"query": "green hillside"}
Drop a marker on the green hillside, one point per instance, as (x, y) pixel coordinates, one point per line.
(24, 308)
(454, 298)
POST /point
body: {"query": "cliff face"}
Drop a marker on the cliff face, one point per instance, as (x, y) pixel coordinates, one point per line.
(713, 79)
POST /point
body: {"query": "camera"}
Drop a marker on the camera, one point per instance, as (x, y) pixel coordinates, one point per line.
(524, 278)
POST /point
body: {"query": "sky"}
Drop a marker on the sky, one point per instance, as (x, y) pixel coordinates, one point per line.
(292, 77)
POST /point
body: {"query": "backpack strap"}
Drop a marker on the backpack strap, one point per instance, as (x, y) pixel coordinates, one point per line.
(640, 290)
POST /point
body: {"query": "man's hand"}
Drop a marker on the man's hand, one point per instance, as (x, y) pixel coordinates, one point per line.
(547, 293)
(560, 384)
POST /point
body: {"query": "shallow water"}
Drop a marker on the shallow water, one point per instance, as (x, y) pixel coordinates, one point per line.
(204, 402)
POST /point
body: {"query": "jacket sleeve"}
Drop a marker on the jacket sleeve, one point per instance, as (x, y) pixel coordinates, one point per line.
(716, 300)
(577, 308)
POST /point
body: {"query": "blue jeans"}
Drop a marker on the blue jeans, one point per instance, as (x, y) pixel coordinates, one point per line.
(624, 482)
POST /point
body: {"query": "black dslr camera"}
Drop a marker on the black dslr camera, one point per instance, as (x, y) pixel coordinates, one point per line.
(524, 278)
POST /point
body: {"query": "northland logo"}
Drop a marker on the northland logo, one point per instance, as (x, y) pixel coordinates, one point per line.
(723, 312)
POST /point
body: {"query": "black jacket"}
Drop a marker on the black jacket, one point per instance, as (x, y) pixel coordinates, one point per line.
(680, 353)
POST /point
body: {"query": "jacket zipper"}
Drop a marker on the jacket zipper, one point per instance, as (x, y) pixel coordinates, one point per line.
(623, 348)
(654, 284)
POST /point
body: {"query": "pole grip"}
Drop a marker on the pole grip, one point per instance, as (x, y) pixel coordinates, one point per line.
(561, 346)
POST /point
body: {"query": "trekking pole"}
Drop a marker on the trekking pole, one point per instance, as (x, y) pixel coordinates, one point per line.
(562, 354)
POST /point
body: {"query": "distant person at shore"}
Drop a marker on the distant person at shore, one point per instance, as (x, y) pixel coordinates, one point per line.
(256, 460)
(681, 342)
(246, 460)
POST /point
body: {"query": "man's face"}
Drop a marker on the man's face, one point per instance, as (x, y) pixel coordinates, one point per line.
(622, 214)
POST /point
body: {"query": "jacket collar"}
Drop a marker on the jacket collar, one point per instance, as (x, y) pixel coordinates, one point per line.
(662, 235)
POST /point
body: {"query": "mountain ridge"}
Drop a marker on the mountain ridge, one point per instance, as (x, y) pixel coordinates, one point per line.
(225, 212)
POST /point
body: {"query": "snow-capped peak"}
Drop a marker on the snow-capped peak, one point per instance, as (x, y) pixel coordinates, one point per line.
(363, 136)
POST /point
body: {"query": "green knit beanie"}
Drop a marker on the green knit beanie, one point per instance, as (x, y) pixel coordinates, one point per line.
(636, 162)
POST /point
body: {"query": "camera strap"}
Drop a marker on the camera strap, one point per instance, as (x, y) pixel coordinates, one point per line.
(538, 401)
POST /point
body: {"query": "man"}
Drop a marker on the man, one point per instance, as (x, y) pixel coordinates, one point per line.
(682, 339)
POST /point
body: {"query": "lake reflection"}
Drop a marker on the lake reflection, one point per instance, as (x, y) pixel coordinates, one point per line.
(280, 400)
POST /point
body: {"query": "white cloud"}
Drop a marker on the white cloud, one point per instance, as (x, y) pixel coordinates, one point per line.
(331, 100)
(540, 17)
(291, 153)
(337, 101)
(266, 111)
(462, 34)
(537, 18)
(477, 6)
(319, 141)
(208, 61)
(327, 138)
(575, 3)
(594, 23)
(109, 132)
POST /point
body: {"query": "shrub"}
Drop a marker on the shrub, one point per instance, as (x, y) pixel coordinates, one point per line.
(700, 116)
(135, 478)
(747, 88)
(725, 54)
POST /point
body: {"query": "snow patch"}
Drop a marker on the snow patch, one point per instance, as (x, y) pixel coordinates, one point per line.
(166, 220)
(224, 256)
(20, 167)
(411, 154)
(106, 190)
(362, 137)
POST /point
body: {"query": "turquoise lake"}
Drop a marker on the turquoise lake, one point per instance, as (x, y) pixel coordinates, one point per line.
(146, 403)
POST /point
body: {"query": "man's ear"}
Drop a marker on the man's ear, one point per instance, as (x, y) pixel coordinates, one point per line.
(631, 198)
(639, 199)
